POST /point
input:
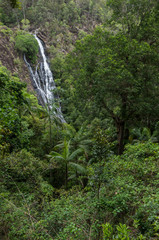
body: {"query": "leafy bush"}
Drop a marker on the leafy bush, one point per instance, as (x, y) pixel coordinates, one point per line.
(27, 44)
(121, 232)
(11, 101)
(21, 189)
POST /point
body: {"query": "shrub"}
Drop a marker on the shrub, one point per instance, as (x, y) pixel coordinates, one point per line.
(27, 44)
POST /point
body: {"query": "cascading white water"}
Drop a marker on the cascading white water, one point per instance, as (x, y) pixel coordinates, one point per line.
(43, 83)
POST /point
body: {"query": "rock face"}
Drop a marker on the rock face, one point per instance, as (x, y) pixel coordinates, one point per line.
(7, 53)
(9, 57)
(42, 36)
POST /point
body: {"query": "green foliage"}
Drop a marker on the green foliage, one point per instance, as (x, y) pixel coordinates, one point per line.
(11, 101)
(15, 3)
(21, 174)
(25, 24)
(107, 231)
(21, 166)
(66, 158)
(6, 13)
(109, 84)
(133, 184)
(122, 232)
(137, 19)
(57, 64)
(22, 121)
(111, 76)
(26, 44)
(6, 31)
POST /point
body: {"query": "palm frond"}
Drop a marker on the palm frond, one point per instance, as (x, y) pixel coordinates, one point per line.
(75, 154)
(80, 169)
(72, 177)
(54, 154)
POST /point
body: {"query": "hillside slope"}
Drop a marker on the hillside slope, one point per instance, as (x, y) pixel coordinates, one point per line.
(9, 56)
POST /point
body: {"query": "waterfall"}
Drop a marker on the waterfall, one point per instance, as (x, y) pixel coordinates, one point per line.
(44, 84)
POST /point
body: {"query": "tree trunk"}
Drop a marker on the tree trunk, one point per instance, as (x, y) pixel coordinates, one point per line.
(76, 177)
(66, 176)
(120, 132)
(50, 129)
(51, 176)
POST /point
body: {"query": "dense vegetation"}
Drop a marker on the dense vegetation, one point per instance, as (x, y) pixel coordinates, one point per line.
(96, 176)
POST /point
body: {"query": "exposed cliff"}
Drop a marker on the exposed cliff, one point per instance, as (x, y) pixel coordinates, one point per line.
(9, 56)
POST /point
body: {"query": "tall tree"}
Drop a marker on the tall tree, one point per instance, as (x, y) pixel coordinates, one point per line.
(66, 158)
(138, 19)
(117, 76)
(11, 100)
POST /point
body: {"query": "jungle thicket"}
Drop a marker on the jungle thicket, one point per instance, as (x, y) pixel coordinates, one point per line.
(96, 176)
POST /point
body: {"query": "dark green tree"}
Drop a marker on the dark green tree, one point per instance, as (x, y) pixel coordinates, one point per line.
(12, 101)
(115, 76)
(66, 158)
